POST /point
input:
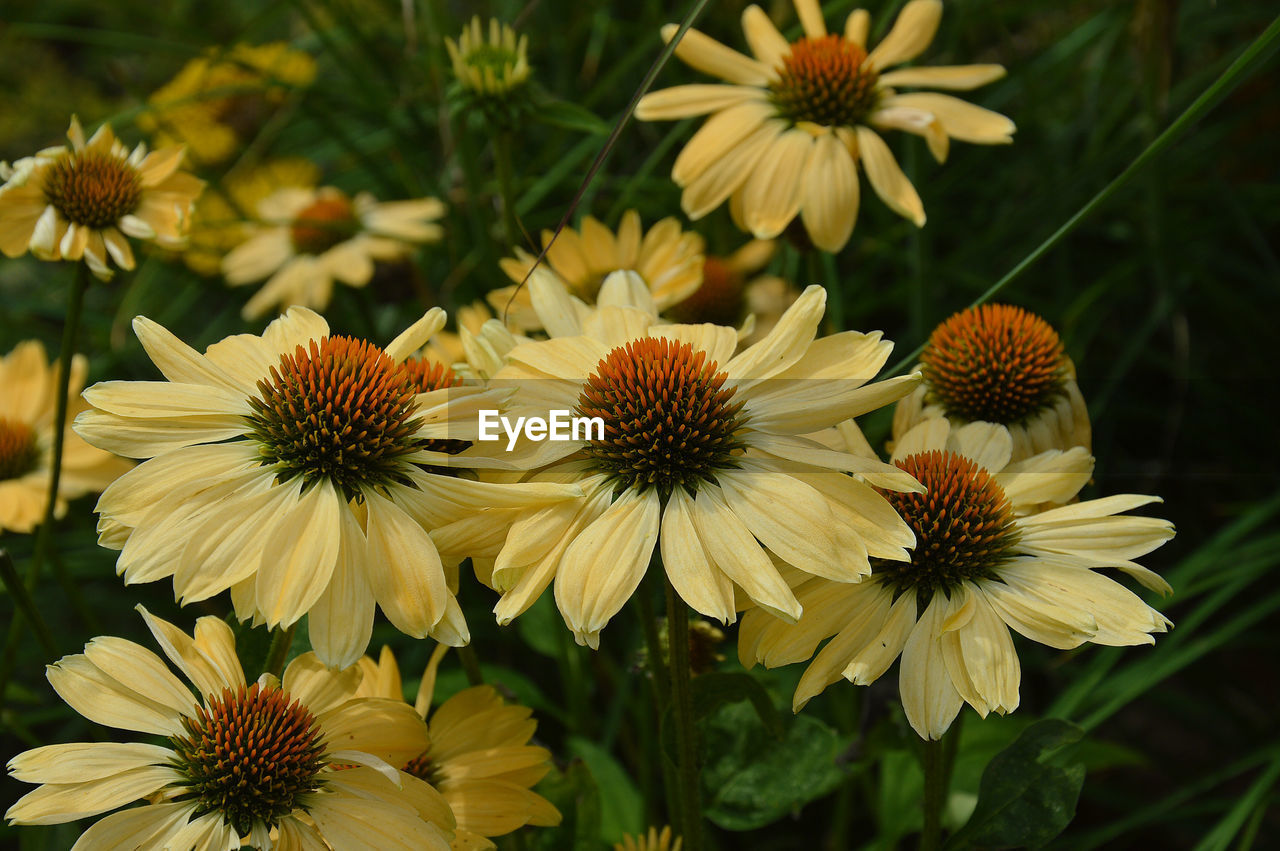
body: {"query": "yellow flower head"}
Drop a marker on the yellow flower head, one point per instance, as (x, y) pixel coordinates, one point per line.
(306, 239)
(81, 203)
(984, 562)
(667, 259)
(478, 756)
(301, 762)
(28, 397)
(218, 101)
(494, 66)
(1000, 364)
(299, 470)
(787, 134)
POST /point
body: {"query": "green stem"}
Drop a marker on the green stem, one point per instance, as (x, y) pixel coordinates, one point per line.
(471, 665)
(682, 715)
(935, 795)
(1252, 56)
(281, 641)
(24, 604)
(506, 185)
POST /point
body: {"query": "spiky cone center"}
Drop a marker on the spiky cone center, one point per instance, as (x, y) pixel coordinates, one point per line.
(995, 362)
(92, 188)
(668, 417)
(720, 300)
(963, 525)
(825, 81)
(338, 409)
(248, 754)
(18, 449)
(323, 224)
(427, 376)
(425, 768)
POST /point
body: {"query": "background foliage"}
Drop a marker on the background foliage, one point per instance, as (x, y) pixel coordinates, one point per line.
(1167, 300)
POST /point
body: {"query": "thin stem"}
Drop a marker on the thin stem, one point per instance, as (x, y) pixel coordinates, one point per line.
(935, 795)
(682, 715)
(1252, 56)
(281, 641)
(471, 665)
(24, 604)
(506, 185)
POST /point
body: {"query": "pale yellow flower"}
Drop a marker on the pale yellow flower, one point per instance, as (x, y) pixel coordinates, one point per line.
(984, 562)
(295, 763)
(651, 841)
(787, 134)
(667, 259)
(82, 203)
(299, 470)
(1004, 365)
(28, 397)
(493, 66)
(218, 102)
(704, 455)
(308, 238)
(478, 756)
(732, 293)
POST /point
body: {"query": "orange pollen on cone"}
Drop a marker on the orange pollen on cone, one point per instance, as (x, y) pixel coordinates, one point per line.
(92, 189)
(339, 409)
(18, 450)
(248, 754)
(426, 377)
(963, 525)
(826, 81)
(322, 225)
(994, 362)
(668, 417)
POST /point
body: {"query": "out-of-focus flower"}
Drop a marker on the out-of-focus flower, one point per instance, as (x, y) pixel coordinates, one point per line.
(702, 454)
(28, 397)
(218, 102)
(495, 66)
(299, 470)
(309, 238)
(984, 563)
(81, 203)
(298, 763)
(732, 292)
(651, 841)
(478, 753)
(1000, 364)
(667, 259)
(787, 134)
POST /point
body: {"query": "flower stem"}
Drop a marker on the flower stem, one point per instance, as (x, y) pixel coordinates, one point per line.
(939, 757)
(682, 716)
(471, 665)
(22, 600)
(506, 185)
(281, 641)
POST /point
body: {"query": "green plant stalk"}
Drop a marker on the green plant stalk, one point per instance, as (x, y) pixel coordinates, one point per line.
(506, 186)
(23, 602)
(1252, 56)
(471, 665)
(278, 654)
(682, 715)
(935, 794)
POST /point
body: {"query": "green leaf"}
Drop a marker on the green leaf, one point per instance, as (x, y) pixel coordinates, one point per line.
(1026, 798)
(569, 116)
(752, 777)
(621, 805)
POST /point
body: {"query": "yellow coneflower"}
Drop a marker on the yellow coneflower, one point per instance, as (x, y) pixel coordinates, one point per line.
(28, 396)
(82, 203)
(982, 564)
(294, 763)
(787, 134)
(1000, 364)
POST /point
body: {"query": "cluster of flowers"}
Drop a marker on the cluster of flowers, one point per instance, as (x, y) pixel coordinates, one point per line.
(316, 475)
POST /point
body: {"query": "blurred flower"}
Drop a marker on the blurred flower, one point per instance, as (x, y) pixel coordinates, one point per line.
(311, 237)
(218, 102)
(1000, 364)
(652, 841)
(667, 259)
(981, 565)
(495, 66)
(479, 756)
(702, 455)
(731, 292)
(220, 220)
(28, 397)
(301, 763)
(82, 203)
(292, 469)
(786, 137)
